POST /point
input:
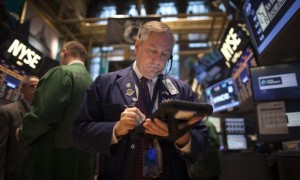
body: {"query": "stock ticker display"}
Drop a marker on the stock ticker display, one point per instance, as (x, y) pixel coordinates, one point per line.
(10, 81)
(241, 73)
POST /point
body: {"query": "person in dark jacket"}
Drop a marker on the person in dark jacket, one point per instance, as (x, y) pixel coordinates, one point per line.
(11, 116)
(103, 126)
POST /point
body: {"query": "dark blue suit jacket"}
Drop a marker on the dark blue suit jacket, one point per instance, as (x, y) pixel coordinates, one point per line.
(103, 102)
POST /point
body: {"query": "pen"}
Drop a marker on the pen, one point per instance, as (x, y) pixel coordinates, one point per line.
(128, 106)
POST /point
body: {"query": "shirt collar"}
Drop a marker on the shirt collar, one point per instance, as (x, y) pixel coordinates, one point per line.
(139, 74)
(75, 62)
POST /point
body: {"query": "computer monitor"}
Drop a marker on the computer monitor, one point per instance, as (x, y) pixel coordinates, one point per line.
(276, 82)
(235, 125)
(10, 81)
(236, 142)
(241, 73)
(222, 95)
(266, 19)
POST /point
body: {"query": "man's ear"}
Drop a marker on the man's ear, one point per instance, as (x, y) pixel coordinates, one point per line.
(64, 53)
(137, 42)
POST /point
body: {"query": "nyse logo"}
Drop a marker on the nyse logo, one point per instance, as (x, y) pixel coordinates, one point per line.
(231, 44)
(24, 54)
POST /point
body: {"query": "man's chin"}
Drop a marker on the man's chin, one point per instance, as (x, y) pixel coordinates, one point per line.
(154, 74)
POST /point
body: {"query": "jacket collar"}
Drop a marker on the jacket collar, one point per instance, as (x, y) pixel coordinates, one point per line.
(125, 82)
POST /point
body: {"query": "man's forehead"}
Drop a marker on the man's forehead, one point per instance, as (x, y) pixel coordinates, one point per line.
(33, 80)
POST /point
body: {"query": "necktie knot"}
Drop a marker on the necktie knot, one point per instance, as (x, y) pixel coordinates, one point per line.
(144, 80)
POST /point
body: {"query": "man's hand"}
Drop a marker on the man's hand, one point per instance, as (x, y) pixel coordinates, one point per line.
(160, 128)
(156, 127)
(183, 140)
(17, 133)
(130, 118)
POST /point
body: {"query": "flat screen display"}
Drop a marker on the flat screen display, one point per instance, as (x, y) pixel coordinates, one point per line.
(276, 82)
(234, 125)
(236, 142)
(10, 81)
(241, 74)
(222, 95)
(266, 18)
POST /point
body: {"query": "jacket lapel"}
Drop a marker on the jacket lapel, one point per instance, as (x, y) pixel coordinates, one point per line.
(23, 107)
(127, 86)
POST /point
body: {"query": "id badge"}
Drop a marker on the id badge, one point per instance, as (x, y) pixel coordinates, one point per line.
(150, 167)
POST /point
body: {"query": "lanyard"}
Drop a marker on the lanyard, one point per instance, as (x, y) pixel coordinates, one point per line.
(150, 107)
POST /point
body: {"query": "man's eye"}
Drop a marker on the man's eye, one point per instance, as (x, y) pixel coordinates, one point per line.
(164, 56)
(153, 52)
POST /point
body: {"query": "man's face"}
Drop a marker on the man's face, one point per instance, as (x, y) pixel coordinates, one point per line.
(153, 53)
(29, 89)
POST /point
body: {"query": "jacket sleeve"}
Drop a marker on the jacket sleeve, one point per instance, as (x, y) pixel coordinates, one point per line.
(199, 133)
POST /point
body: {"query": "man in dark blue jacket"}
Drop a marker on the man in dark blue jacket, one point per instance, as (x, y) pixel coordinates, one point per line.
(103, 127)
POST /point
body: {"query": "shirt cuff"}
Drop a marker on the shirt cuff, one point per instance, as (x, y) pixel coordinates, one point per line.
(114, 139)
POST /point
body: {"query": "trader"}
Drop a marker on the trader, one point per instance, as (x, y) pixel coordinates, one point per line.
(102, 126)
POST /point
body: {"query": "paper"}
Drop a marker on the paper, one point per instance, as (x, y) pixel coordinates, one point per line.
(293, 119)
(272, 118)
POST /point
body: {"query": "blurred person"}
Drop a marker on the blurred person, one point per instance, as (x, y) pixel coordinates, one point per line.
(100, 128)
(11, 115)
(46, 129)
(207, 166)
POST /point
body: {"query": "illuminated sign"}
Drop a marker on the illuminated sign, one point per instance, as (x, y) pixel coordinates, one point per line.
(221, 98)
(234, 43)
(222, 95)
(230, 45)
(278, 81)
(24, 54)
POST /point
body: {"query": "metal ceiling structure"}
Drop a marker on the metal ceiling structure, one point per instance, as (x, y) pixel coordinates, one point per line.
(68, 17)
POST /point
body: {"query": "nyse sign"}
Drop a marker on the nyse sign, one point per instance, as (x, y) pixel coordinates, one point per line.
(24, 54)
(230, 46)
(236, 40)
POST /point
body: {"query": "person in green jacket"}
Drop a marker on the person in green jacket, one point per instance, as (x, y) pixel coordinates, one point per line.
(46, 129)
(207, 167)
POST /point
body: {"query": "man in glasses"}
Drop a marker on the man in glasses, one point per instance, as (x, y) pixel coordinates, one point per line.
(11, 116)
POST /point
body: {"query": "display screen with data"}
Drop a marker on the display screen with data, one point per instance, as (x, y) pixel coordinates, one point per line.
(10, 81)
(241, 73)
(266, 18)
(236, 142)
(222, 95)
(276, 82)
(235, 125)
